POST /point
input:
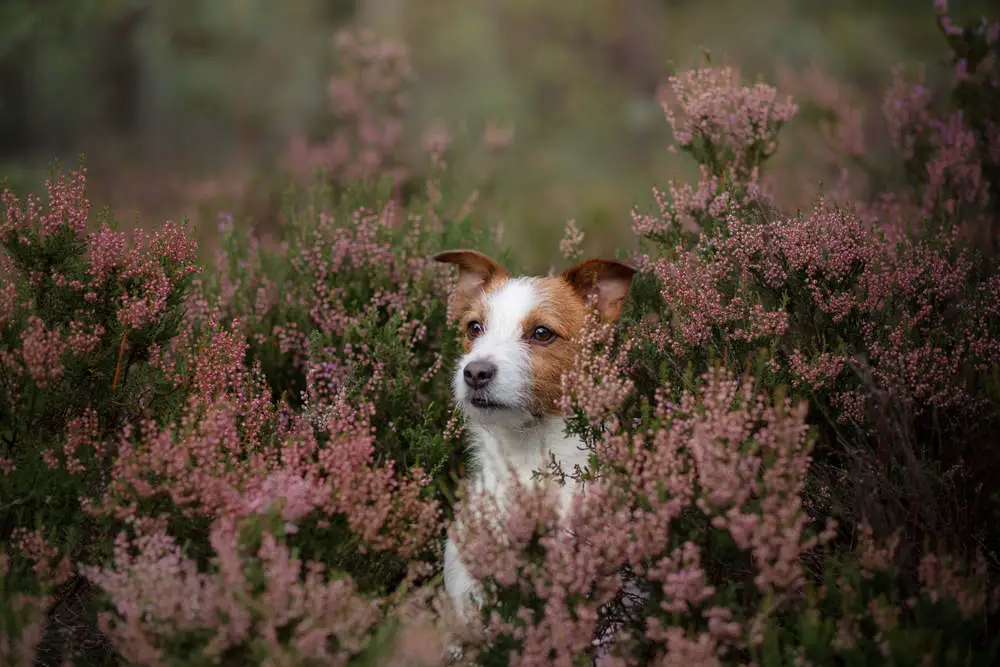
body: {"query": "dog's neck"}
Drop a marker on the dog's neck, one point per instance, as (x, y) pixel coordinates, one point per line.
(501, 449)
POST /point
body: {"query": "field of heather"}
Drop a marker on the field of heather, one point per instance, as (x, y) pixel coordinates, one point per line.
(228, 434)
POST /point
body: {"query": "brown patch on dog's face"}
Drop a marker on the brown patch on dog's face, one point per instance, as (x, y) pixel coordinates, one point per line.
(562, 312)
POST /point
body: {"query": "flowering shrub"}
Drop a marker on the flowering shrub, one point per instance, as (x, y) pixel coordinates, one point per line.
(255, 463)
(367, 97)
(884, 307)
(147, 401)
(257, 604)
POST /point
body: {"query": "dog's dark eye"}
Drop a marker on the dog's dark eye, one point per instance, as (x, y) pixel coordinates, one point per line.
(474, 330)
(542, 334)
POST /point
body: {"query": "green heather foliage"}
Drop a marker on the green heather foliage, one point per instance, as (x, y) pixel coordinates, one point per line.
(253, 458)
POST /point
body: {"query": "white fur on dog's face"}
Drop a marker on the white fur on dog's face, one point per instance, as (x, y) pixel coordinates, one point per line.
(504, 312)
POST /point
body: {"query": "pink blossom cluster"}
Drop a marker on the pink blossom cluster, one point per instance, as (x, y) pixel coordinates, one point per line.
(711, 105)
(353, 272)
(222, 460)
(889, 296)
(52, 567)
(944, 578)
(83, 339)
(596, 384)
(570, 244)
(156, 263)
(21, 650)
(949, 159)
(367, 97)
(42, 350)
(8, 300)
(248, 601)
(83, 438)
(731, 130)
(67, 209)
(140, 275)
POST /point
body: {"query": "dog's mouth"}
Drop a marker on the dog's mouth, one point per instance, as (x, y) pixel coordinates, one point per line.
(484, 403)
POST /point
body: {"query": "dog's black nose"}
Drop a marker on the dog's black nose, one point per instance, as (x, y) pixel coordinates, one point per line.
(479, 373)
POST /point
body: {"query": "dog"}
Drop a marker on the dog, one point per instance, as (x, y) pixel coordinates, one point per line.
(519, 337)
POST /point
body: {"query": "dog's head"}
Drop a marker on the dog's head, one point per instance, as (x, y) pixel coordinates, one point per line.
(520, 333)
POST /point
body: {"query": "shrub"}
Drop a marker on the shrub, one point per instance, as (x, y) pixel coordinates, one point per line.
(146, 401)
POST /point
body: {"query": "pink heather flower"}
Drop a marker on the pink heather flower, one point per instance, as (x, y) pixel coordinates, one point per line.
(695, 457)
(576, 575)
(68, 204)
(872, 557)
(596, 384)
(298, 496)
(570, 245)
(35, 547)
(219, 367)
(711, 104)
(214, 462)
(80, 340)
(81, 433)
(684, 585)
(21, 651)
(68, 208)
(42, 351)
(8, 300)
(106, 250)
(690, 286)
(852, 406)
(848, 270)
(906, 108)
(816, 373)
(955, 170)
(159, 594)
(157, 263)
(367, 98)
(384, 510)
(941, 579)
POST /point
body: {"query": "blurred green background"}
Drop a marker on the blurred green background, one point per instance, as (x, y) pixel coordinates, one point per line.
(184, 107)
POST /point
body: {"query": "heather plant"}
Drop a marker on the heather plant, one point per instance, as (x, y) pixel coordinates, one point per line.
(81, 312)
(136, 405)
(865, 310)
(257, 603)
(367, 96)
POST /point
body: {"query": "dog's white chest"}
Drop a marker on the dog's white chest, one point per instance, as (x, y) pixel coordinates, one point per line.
(509, 456)
(502, 461)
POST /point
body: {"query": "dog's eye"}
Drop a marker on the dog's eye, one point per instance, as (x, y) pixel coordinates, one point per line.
(542, 334)
(474, 330)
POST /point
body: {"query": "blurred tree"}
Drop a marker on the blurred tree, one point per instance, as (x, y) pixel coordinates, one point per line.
(16, 57)
(119, 67)
(77, 54)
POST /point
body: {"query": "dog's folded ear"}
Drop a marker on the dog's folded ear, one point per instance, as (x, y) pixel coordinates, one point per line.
(607, 280)
(476, 272)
